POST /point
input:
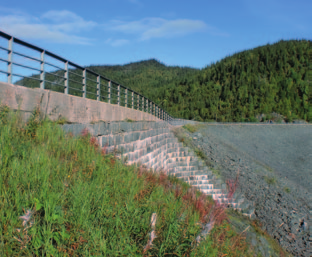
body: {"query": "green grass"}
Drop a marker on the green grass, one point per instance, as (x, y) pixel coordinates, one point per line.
(129, 120)
(80, 201)
(191, 128)
(61, 121)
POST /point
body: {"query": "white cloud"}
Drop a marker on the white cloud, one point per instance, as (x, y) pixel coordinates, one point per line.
(61, 16)
(173, 28)
(148, 28)
(55, 26)
(117, 42)
(68, 21)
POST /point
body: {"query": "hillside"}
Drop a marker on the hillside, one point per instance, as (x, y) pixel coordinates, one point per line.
(271, 78)
(66, 196)
(144, 76)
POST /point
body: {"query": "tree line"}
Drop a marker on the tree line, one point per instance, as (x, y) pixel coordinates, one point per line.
(271, 78)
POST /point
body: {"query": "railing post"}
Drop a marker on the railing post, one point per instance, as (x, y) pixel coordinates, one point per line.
(118, 95)
(10, 59)
(66, 79)
(84, 83)
(42, 77)
(98, 88)
(126, 97)
(109, 91)
(146, 106)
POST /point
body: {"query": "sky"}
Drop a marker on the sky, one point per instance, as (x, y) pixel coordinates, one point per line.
(177, 33)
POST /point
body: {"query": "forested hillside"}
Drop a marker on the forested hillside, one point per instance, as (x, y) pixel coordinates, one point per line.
(271, 78)
(145, 76)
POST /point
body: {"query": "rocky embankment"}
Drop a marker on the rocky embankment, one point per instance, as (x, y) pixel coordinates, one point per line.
(274, 168)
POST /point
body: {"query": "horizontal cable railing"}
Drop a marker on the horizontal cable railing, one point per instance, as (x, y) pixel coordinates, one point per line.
(100, 88)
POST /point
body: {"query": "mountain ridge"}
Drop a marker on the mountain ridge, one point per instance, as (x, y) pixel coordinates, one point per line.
(270, 78)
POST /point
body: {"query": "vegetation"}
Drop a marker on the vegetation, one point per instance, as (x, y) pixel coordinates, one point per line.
(62, 196)
(286, 189)
(191, 128)
(270, 180)
(272, 78)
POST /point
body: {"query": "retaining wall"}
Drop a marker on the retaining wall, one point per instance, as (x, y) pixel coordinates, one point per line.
(154, 145)
(74, 109)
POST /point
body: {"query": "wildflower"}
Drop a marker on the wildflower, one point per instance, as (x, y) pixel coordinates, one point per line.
(85, 132)
(206, 230)
(26, 218)
(27, 223)
(153, 233)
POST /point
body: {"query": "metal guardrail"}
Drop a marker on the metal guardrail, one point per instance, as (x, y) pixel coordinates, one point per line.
(123, 96)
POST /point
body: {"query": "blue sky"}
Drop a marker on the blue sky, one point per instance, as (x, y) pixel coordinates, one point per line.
(183, 33)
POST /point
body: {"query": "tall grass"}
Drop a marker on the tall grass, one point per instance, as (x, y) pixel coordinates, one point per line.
(63, 196)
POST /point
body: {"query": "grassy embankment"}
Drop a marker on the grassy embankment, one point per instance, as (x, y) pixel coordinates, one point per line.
(63, 196)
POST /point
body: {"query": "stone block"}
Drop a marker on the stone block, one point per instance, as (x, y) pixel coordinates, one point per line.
(101, 128)
(114, 128)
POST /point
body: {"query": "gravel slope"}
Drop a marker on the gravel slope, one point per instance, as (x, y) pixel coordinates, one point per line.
(275, 172)
(287, 149)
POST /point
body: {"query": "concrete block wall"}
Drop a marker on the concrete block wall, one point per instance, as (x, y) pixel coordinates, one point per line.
(147, 141)
(153, 145)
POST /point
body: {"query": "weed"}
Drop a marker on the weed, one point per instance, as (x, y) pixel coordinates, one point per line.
(232, 186)
(80, 198)
(216, 172)
(191, 128)
(4, 110)
(61, 121)
(129, 120)
(200, 154)
(270, 180)
(286, 189)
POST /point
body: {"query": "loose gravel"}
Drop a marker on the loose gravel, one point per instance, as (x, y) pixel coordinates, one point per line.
(275, 172)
